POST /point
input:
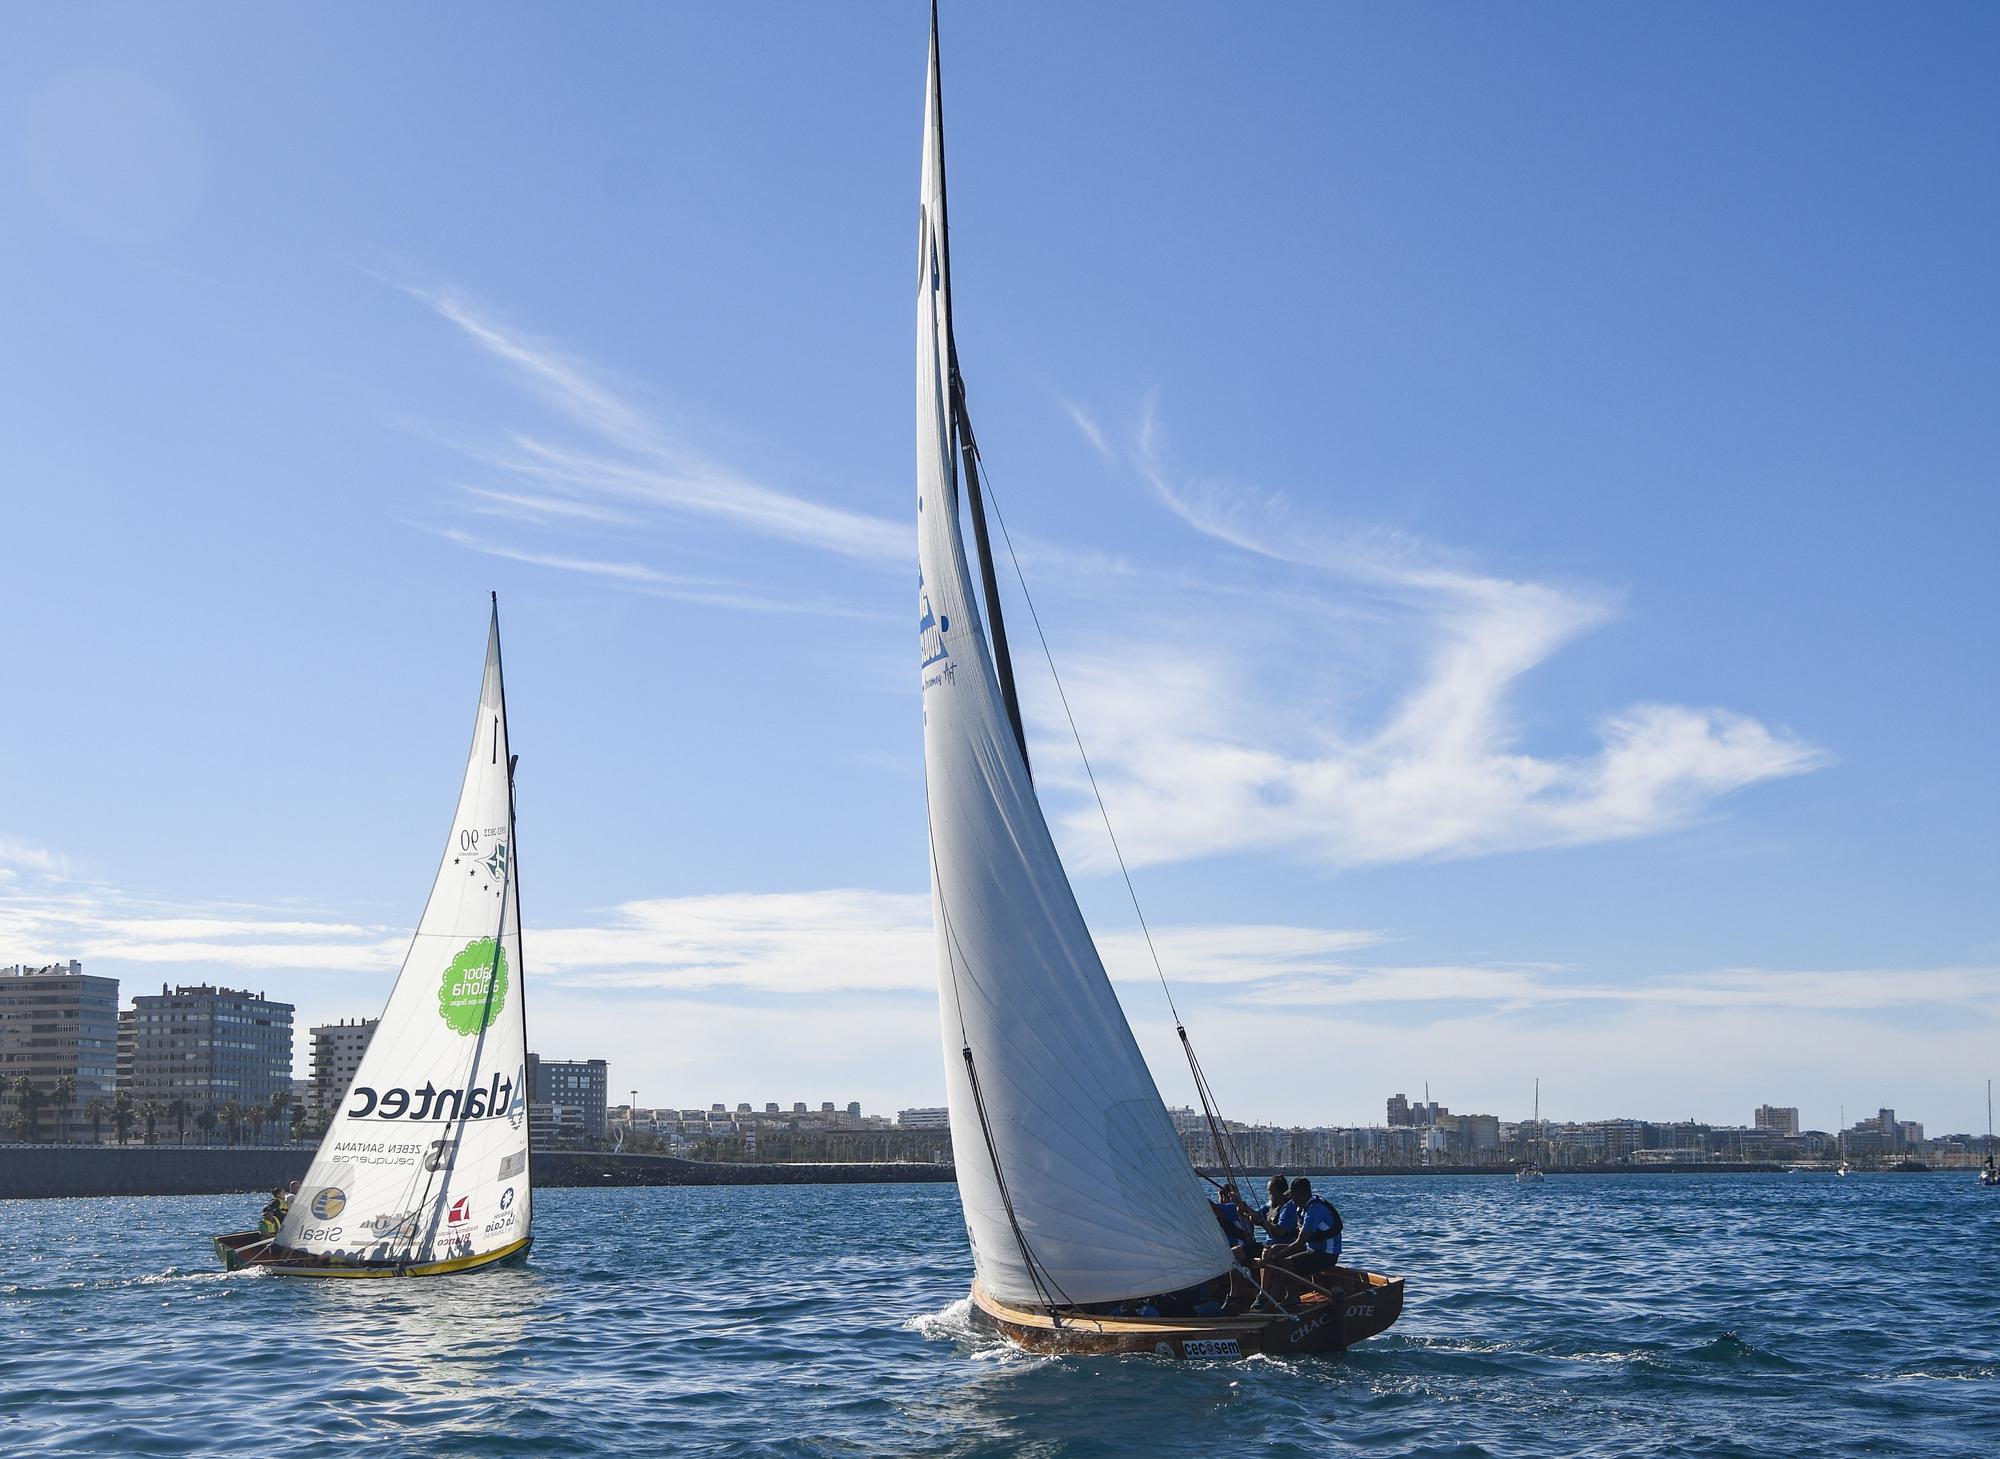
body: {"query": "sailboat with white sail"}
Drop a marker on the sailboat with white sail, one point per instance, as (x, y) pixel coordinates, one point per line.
(1989, 1173)
(1090, 1231)
(424, 1169)
(1532, 1173)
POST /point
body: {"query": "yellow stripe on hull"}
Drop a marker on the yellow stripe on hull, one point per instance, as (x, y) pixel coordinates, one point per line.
(428, 1269)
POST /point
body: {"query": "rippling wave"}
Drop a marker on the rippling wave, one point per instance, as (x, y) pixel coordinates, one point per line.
(1641, 1315)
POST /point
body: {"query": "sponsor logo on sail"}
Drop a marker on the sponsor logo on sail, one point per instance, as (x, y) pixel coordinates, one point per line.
(328, 1202)
(431, 1103)
(931, 629)
(474, 987)
(460, 1213)
(512, 1165)
(507, 1198)
(402, 1223)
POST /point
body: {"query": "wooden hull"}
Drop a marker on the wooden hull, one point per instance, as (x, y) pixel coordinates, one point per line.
(1368, 1304)
(243, 1249)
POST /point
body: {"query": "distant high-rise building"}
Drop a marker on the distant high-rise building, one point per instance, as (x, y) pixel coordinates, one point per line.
(128, 1042)
(924, 1119)
(1778, 1119)
(574, 1095)
(211, 1046)
(336, 1058)
(57, 1022)
(854, 1109)
(1399, 1110)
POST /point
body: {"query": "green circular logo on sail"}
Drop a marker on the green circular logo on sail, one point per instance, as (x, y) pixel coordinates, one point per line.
(462, 997)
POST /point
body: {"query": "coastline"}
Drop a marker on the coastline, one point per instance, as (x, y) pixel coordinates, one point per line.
(57, 1172)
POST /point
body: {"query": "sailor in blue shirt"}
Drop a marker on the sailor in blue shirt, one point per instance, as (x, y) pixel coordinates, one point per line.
(1276, 1215)
(1318, 1223)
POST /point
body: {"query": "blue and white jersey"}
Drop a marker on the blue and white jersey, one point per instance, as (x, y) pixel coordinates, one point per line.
(1285, 1225)
(1321, 1224)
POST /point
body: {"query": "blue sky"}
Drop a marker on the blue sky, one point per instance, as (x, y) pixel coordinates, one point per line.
(1511, 493)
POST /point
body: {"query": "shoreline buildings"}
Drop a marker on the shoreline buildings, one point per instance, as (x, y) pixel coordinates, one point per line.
(211, 1047)
(336, 1058)
(57, 1023)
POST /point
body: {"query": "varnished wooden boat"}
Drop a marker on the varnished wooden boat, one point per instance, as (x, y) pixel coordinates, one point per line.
(1357, 1305)
(244, 1249)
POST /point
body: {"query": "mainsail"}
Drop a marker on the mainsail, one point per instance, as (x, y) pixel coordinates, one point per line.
(1075, 1185)
(427, 1160)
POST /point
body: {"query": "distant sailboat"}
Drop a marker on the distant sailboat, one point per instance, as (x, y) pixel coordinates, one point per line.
(1989, 1173)
(424, 1170)
(1087, 1221)
(1840, 1142)
(1532, 1171)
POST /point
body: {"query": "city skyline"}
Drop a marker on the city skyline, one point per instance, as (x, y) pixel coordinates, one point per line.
(1526, 624)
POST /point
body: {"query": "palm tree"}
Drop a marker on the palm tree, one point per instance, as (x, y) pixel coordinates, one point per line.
(64, 1098)
(122, 1114)
(255, 1114)
(205, 1122)
(232, 1116)
(95, 1112)
(152, 1112)
(296, 1118)
(178, 1112)
(30, 1100)
(281, 1108)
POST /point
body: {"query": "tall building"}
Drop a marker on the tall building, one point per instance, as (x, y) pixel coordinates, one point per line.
(940, 1119)
(128, 1036)
(1779, 1120)
(336, 1058)
(210, 1046)
(57, 1022)
(572, 1094)
(1399, 1110)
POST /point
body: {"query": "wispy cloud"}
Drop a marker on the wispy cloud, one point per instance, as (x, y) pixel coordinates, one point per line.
(1233, 729)
(717, 592)
(831, 992)
(1092, 431)
(15, 852)
(627, 459)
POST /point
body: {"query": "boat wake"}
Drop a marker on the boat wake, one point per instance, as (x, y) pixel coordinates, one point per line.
(959, 1324)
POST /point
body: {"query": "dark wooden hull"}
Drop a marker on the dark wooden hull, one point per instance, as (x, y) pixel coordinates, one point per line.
(1363, 1305)
(244, 1249)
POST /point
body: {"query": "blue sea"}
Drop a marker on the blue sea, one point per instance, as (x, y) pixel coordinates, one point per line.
(1765, 1315)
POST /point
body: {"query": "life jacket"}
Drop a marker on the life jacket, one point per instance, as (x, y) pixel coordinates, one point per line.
(1318, 1238)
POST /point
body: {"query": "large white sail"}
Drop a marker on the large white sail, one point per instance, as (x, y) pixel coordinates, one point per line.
(1105, 1205)
(427, 1160)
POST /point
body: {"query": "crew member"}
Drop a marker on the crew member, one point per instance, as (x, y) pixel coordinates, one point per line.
(1237, 1225)
(1317, 1245)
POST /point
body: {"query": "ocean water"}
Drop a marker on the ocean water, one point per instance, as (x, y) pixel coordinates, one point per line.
(1634, 1315)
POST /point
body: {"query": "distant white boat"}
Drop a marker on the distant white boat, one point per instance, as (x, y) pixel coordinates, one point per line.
(1532, 1172)
(1989, 1173)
